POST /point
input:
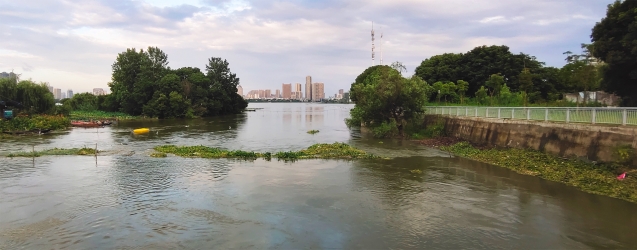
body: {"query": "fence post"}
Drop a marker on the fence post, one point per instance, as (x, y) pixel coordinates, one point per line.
(476, 112)
(624, 116)
(486, 115)
(568, 115)
(512, 113)
(457, 111)
(546, 114)
(593, 115)
(528, 114)
(466, 111)
(499, 113)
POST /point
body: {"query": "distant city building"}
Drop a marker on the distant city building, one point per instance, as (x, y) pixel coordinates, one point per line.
(99, 91)
(57, 94)
(308, 88)
(8, 75)
(63, 96)
(340, 91)
(287, 90)
(318, 91)
(50, 89)
(69, 94)
(268, 93)
(240, 90)
(278, 94)
(261, 93)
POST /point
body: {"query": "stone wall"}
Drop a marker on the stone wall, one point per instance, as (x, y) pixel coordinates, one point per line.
(592, 142)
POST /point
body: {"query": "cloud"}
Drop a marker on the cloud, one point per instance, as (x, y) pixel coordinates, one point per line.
(268, 42)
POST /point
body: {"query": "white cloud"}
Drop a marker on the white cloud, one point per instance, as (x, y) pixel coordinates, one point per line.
(269, 42)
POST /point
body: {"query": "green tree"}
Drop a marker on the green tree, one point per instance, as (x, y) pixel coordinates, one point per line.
(84, 101)
(495, 83)
(481, 95)
(462, 87)
(35, 98)
(385, 97)
(440, 68)
(223, 89)
(399, 66)
(614, 43)
(526, 84)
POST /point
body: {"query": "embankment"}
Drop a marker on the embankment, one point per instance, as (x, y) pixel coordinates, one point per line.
(584, 141)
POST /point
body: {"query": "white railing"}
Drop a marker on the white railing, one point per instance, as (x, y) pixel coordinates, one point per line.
(617, 116)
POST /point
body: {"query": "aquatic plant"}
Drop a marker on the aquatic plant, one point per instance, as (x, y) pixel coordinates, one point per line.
(589, 177)
(98, 114)
(56, 151)
(312, 132)
(207, 152)
(26, 123)
(317, 151)
(158, 155)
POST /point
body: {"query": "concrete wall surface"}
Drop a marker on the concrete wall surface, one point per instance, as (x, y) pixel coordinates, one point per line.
(592, 142)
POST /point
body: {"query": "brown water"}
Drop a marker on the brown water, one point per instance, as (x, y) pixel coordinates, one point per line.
(125, 199)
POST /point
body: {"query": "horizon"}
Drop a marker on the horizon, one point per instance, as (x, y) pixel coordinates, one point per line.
(272, 42)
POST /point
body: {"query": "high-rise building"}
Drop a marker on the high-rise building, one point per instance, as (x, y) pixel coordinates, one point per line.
(98, 91)
(318, 91)
(268, 93)
(278, 94)
(297, 92)
(57, 94)
(69, 93)
(261, 93)
(287, 91)
(63, 95)
(340, 91)
(51, 89)
(308, 88)
(240, 90)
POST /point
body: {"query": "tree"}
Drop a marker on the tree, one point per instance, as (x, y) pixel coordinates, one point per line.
(495, 83)
(399, 66)
(440, 68)
(35, 98)
(526, 83)
(481, 95)
(84, 101)
(614, 43)
(385, 97)
(462, 87)
(224, 88)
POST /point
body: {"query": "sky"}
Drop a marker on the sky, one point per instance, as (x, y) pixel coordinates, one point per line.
(72, 44)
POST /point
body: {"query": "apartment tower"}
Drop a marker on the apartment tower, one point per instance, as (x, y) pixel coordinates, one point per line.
(318, 91)
(308, 88)
(287, 90)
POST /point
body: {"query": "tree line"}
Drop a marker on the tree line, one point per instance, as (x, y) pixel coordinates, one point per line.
(143, 84)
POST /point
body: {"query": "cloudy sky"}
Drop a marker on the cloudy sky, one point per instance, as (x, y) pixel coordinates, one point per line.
(72, 44)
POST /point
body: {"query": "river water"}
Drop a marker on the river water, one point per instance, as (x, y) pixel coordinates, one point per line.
(124, 199)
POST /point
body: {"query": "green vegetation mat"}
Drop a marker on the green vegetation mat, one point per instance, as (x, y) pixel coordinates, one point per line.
(317, 151)
(56, 151)
(79, 115)
(312, 132)
(25, 123)
(589, 177)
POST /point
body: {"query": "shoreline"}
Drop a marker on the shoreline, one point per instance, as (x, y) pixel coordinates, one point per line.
(590, 177)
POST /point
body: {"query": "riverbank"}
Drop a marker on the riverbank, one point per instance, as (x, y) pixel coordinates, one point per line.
(33, 123)
(591, 177)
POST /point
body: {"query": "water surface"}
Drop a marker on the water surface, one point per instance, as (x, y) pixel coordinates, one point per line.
(125, 199)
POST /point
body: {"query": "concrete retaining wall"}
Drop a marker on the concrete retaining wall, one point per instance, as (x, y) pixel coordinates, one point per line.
(592, 142)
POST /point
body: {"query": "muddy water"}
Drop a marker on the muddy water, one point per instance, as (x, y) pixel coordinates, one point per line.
(124, 199)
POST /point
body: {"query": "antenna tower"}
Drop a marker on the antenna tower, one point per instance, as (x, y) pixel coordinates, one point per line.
(372, 43)
(381, 46)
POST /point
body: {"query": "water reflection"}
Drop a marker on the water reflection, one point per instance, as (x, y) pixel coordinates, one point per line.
(125, 199)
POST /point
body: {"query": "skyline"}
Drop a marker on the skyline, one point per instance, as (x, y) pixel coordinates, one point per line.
(269, 42)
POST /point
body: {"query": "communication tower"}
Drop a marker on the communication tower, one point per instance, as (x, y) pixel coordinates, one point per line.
(372, 43)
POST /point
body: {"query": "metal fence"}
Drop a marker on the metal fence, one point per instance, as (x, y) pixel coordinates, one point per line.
(617, 116)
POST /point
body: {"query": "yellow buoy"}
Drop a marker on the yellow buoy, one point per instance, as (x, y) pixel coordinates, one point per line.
(140, 131)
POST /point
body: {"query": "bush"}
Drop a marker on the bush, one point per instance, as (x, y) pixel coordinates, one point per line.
(385, 129)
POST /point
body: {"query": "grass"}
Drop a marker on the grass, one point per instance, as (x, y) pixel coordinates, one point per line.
(55, 151)
(592, 178)
(316, 151)
(312, 132)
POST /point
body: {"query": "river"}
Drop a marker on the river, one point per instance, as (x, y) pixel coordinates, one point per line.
(125, 199)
